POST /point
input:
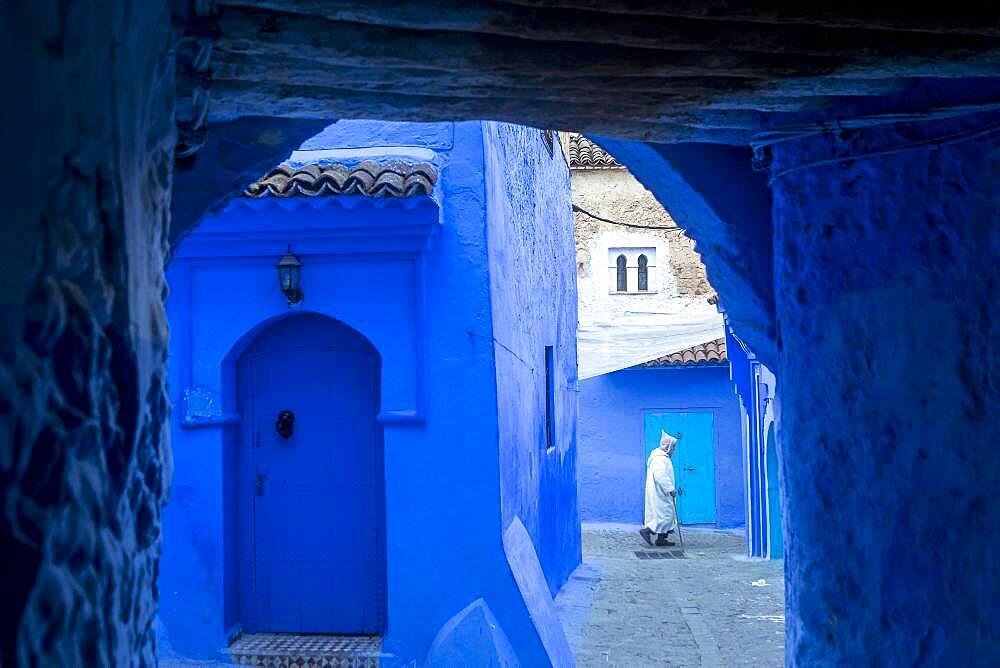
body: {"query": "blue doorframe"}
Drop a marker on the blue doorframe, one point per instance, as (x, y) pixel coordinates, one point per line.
(693, 459)
(311, 503)
(775, 543)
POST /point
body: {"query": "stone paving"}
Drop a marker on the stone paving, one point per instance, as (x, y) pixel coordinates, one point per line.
(712, 608)
(702, 610)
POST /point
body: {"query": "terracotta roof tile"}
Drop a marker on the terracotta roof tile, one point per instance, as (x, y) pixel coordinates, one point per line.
(706, 354)
(369, 179)
(585, 154)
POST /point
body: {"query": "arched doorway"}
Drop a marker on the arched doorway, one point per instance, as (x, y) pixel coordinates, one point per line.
(311, 489)
(776, 550)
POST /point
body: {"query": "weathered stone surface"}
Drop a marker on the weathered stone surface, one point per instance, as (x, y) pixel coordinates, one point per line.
(518, 63)
(83, 461)
(614, 194)
(978, 20)
(888, 294)
(665, 25)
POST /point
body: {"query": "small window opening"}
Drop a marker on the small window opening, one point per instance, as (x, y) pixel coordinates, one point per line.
(643, 273)
(550, 399)
(622, 274)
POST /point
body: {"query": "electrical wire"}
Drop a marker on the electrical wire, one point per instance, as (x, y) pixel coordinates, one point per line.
(571, 384)
(579, 209)
(772, 137)
(934, 142)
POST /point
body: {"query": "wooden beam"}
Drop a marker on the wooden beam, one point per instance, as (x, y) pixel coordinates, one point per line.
(228, 64)
(233, 99)
(531, 64)
(723, 103)
(670, 33)
(278, 35)
(969, 18)
(699, 103)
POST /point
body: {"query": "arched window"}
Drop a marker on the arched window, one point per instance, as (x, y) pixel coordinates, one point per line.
(643, 273)
(622, 274)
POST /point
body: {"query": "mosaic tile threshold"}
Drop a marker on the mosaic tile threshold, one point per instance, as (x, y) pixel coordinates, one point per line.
(291, 650)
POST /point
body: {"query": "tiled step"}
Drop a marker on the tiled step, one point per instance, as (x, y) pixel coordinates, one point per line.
(292, 650)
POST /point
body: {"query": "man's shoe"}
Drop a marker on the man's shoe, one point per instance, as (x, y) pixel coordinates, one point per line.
(663, 542)
(646, 534)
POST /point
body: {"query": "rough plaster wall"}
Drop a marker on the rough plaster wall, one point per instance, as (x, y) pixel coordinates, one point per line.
(533, 293)
(83, 461)
(888, 291)
(616, 195)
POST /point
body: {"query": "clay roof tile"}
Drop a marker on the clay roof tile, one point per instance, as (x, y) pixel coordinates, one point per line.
(394, 178)
(712, 353)
(585, 154)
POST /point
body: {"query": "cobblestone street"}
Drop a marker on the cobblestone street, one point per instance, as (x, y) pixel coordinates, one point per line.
(712, 608)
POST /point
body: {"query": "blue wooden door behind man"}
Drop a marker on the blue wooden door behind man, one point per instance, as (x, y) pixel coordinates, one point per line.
(316, 495)
(693, 459)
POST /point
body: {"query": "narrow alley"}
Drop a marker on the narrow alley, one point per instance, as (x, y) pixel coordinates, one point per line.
(711, 607)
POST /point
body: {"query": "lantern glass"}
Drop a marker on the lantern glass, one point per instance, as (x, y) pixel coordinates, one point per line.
(286, 278)
(289, 276)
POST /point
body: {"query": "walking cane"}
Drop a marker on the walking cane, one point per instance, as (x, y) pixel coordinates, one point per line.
(677, 521)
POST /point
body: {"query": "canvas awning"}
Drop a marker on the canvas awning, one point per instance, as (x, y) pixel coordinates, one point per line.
(637, 337)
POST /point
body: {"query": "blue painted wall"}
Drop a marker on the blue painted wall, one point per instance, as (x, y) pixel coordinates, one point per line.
(426, 301)
(532, 256)
(532, 260)
(611, 453)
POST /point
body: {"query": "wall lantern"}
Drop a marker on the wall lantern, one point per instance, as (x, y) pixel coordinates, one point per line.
(289, 275)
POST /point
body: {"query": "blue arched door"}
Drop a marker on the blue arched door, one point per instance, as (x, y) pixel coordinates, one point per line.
(312, 497)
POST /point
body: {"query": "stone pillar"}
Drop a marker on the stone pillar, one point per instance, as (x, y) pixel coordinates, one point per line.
(83, 458)
(887, 273)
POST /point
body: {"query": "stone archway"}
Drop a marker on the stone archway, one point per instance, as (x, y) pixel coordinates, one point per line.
(84, 459)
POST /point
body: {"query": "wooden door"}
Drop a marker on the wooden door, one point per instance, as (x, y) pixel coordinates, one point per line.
(693, 459)
(316, 497)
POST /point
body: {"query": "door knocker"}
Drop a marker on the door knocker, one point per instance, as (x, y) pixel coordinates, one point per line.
(285, 424)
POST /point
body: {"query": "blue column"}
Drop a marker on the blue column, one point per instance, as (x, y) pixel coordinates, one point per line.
(888, 309)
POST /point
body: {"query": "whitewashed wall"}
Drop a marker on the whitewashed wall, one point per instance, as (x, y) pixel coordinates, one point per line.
(679, 278)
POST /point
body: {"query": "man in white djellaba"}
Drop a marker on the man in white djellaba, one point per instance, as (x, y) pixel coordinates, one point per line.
(660, 518)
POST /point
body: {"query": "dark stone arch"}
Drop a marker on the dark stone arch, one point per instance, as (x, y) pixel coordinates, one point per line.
(83, 333)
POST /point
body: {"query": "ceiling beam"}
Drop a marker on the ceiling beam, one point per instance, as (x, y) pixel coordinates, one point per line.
(968, 18)
(712, 77)
(668, 33)
(279, 34)
(233, 99)
(718, 102)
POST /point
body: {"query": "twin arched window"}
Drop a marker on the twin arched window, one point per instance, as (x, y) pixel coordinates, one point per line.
(622, 274)
(632, 270)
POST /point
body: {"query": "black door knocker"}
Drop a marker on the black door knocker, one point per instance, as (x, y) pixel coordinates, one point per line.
(285, 424)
